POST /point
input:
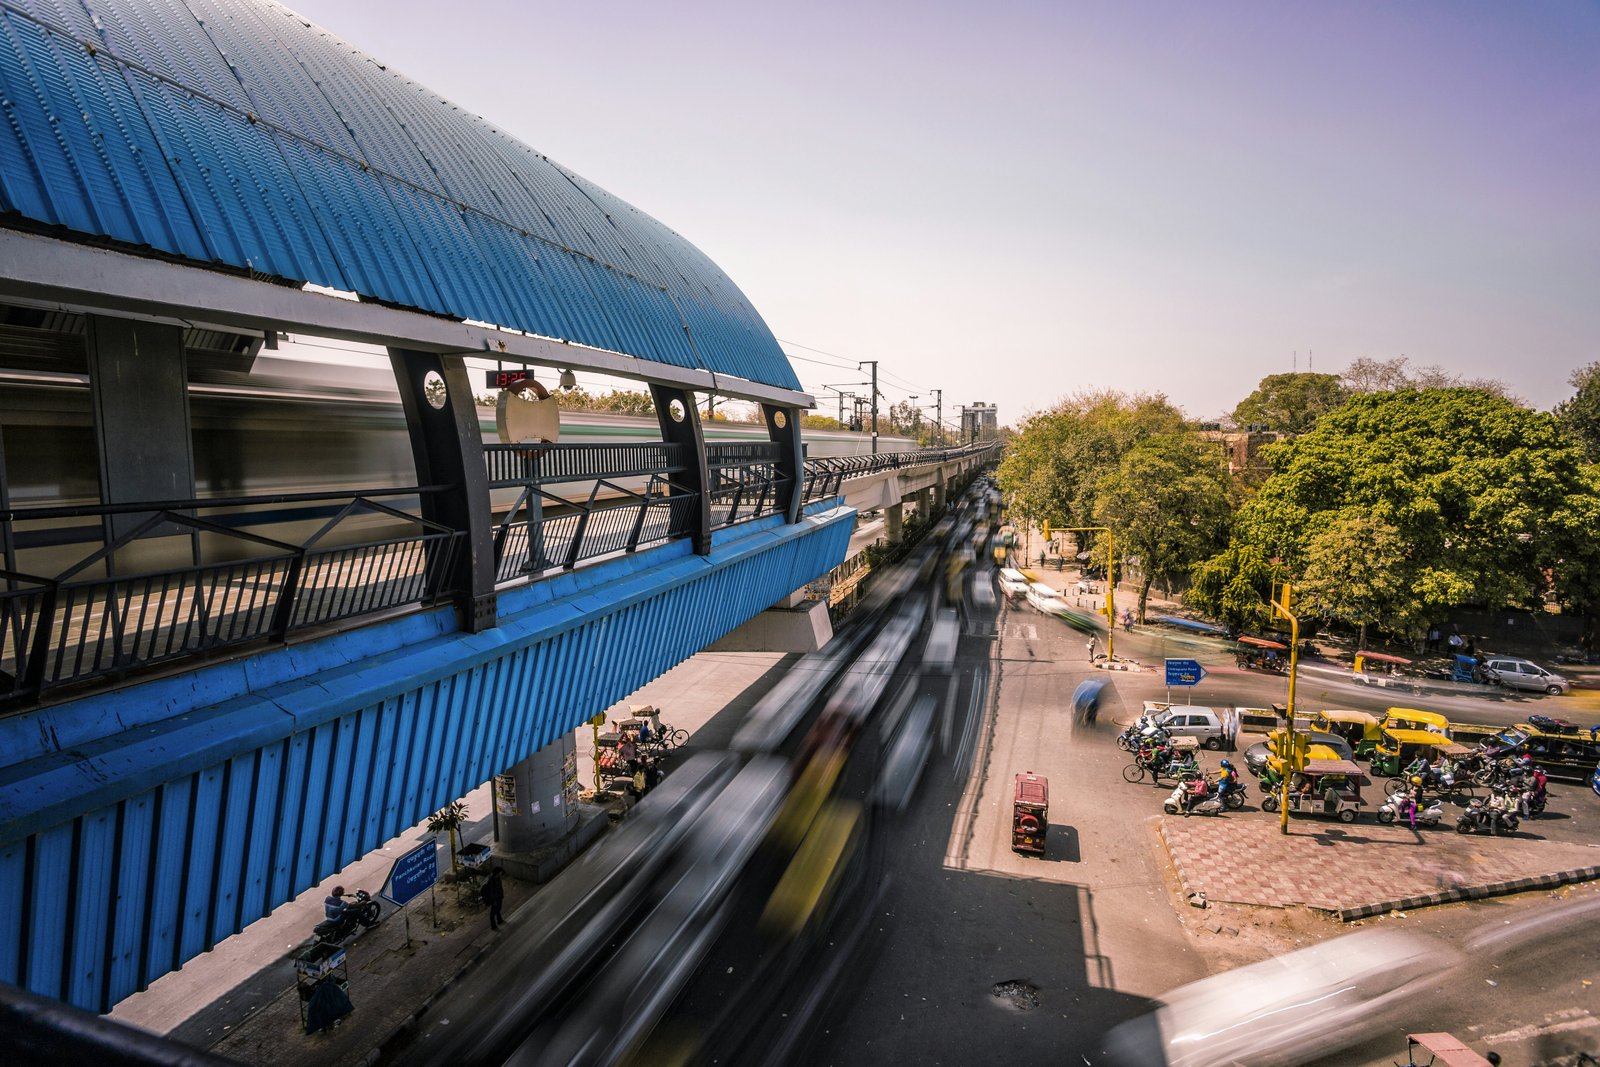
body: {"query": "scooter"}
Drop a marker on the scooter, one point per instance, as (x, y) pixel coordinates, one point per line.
(1397, 808)
(1211, 804)
(363, 913)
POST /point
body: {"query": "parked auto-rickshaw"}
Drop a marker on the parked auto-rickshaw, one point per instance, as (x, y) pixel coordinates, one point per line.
(1416, 719)
(1272, 775)
(1398, 749)
(1362, 729)
(1324, 787)
(1030, 813)
(1258, 653)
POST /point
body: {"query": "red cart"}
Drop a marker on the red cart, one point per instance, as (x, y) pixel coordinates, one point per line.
(1030, 813)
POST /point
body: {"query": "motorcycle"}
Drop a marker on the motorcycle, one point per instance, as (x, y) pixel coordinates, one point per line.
(1531, 803)
(1398, 808)
(1210, 804)
(1141, 731)
(1233, 796)
(1479, 816)
(363, 913)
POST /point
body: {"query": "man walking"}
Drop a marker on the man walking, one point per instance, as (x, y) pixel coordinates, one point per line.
(494, 895)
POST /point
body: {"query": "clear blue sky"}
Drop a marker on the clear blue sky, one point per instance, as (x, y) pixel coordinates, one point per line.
(1014, 201)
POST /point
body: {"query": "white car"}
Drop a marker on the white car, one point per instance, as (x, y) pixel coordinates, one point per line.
(1013, 583)
(1047, 600)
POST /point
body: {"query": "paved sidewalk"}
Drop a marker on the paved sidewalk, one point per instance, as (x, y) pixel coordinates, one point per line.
(1363, 868)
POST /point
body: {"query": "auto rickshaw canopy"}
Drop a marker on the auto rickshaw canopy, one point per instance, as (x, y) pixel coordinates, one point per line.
(1415, 719)
(1318, 768)
(1383, 657)
(1262, 642)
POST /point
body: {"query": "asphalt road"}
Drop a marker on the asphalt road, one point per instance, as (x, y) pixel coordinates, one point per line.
(1090, 934)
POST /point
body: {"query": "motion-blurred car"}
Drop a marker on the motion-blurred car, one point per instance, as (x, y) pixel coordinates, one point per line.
(1290, 1009)
(1255, 757)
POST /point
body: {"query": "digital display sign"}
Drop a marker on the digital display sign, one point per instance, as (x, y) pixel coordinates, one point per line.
(507, 379)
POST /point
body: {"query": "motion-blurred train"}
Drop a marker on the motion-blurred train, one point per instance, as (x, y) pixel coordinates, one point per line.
(288, 426)
(284, 426)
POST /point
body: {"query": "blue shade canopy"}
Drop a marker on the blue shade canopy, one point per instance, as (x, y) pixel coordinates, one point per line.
(235, 133)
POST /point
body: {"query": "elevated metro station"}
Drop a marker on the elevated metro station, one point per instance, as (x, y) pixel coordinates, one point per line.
(226, 672)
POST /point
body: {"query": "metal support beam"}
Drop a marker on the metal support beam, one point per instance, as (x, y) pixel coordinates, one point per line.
(448, 449)
(680, 425)
(783, 427)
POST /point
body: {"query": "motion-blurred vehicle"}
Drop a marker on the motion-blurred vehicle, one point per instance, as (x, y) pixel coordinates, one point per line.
(1290, 1009)
(1562, 750)
(1260, 654)
(1013, 583)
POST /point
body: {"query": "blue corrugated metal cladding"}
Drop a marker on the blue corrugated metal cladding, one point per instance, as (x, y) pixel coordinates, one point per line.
(139, 828)
(233, 132)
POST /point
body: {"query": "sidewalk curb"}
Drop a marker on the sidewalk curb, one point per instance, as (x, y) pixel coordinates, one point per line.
(1472, 892)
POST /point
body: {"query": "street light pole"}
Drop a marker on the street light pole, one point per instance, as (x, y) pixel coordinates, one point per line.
(1111, 583)
(938, 401)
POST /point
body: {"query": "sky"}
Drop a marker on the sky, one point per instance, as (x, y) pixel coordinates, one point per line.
(1017, 201)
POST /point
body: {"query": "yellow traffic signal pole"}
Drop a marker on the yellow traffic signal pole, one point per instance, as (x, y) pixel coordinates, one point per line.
(1111, 583)
(1289, 760)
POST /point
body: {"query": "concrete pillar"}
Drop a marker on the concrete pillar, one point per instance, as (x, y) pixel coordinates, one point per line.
(925, 503)
(536, 800)
(939, 493)
(893, 516)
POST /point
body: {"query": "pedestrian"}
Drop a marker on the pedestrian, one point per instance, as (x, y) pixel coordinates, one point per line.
(1093, 645)
(1041, 559)
(627, 750)
(1455, 643)
(494, 895)
(652, 774)
(1433, 639)
(1127, 620)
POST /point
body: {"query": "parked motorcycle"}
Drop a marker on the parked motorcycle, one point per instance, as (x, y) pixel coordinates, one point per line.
(1210, 804)
(1398, 808)
(362, 913)
(1479, 816)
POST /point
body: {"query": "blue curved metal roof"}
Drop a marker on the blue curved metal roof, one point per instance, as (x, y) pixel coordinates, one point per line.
(235, 133)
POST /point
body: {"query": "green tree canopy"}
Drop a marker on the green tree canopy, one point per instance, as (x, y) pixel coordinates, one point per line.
(1168, 503)
(1581, 413)
(1235, 586)
(1460, 496)
(1291, 403)
(1054, 465)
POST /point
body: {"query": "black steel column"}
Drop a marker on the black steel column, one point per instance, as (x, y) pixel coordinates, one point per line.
(680, 425)
(448, 449)
(138, 384)
(783, 427)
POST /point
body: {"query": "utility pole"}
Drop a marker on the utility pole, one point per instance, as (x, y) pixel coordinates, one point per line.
(938, 418)
(916, 416)
(874, 363)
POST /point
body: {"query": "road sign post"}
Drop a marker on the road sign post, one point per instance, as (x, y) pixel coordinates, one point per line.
(411, 874)
(1183, 672)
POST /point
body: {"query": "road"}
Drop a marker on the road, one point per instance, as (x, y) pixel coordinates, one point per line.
(1088, 935)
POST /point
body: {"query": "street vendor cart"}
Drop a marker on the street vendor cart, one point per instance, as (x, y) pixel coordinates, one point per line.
(1030, 813)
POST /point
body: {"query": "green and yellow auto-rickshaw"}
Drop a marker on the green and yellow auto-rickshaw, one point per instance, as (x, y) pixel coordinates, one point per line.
(1324, 787)
(1415, 719)
(1362, 729)
(1398, 749)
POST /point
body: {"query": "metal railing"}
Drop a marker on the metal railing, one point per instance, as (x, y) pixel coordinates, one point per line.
(192, 576)
(132, 585)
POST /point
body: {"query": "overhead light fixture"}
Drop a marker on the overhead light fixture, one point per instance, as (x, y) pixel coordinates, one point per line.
(569, 380)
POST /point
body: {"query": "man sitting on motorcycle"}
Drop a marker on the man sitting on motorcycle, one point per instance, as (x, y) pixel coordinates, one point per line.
(333, 904)
(1194, 792)
(1499, 808)
(1534, 794)
(1227, 780)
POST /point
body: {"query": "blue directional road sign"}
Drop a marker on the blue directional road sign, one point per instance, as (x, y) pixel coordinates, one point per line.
(1184, 672)
(412, 874)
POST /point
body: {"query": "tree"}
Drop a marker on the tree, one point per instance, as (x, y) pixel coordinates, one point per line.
(1483, 496)
(1367, 375)
(1580, 414)
(1291, 403)
(1168, 503)
(1235, 586)
(447, 820)
(1053, 466)
(1357, 571)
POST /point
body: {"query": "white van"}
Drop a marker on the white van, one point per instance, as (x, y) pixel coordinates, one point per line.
(1013, 583)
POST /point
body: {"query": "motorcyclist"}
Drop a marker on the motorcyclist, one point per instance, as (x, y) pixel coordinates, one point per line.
(1499, 807)
(1227, 780)
(333, 905)
(1412, 798)
(1533, 795)
(1194, 791)
(1420, 767)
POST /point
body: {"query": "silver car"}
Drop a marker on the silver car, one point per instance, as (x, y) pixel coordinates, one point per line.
(1516, 673)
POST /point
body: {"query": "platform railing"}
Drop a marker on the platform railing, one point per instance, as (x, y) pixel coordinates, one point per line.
(193, 576)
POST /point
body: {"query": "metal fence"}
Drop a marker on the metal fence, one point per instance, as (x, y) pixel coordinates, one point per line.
(185, 577)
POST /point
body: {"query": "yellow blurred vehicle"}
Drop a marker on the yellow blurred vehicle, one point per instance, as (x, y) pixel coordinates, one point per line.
(1415, 719)
(1361, 729)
